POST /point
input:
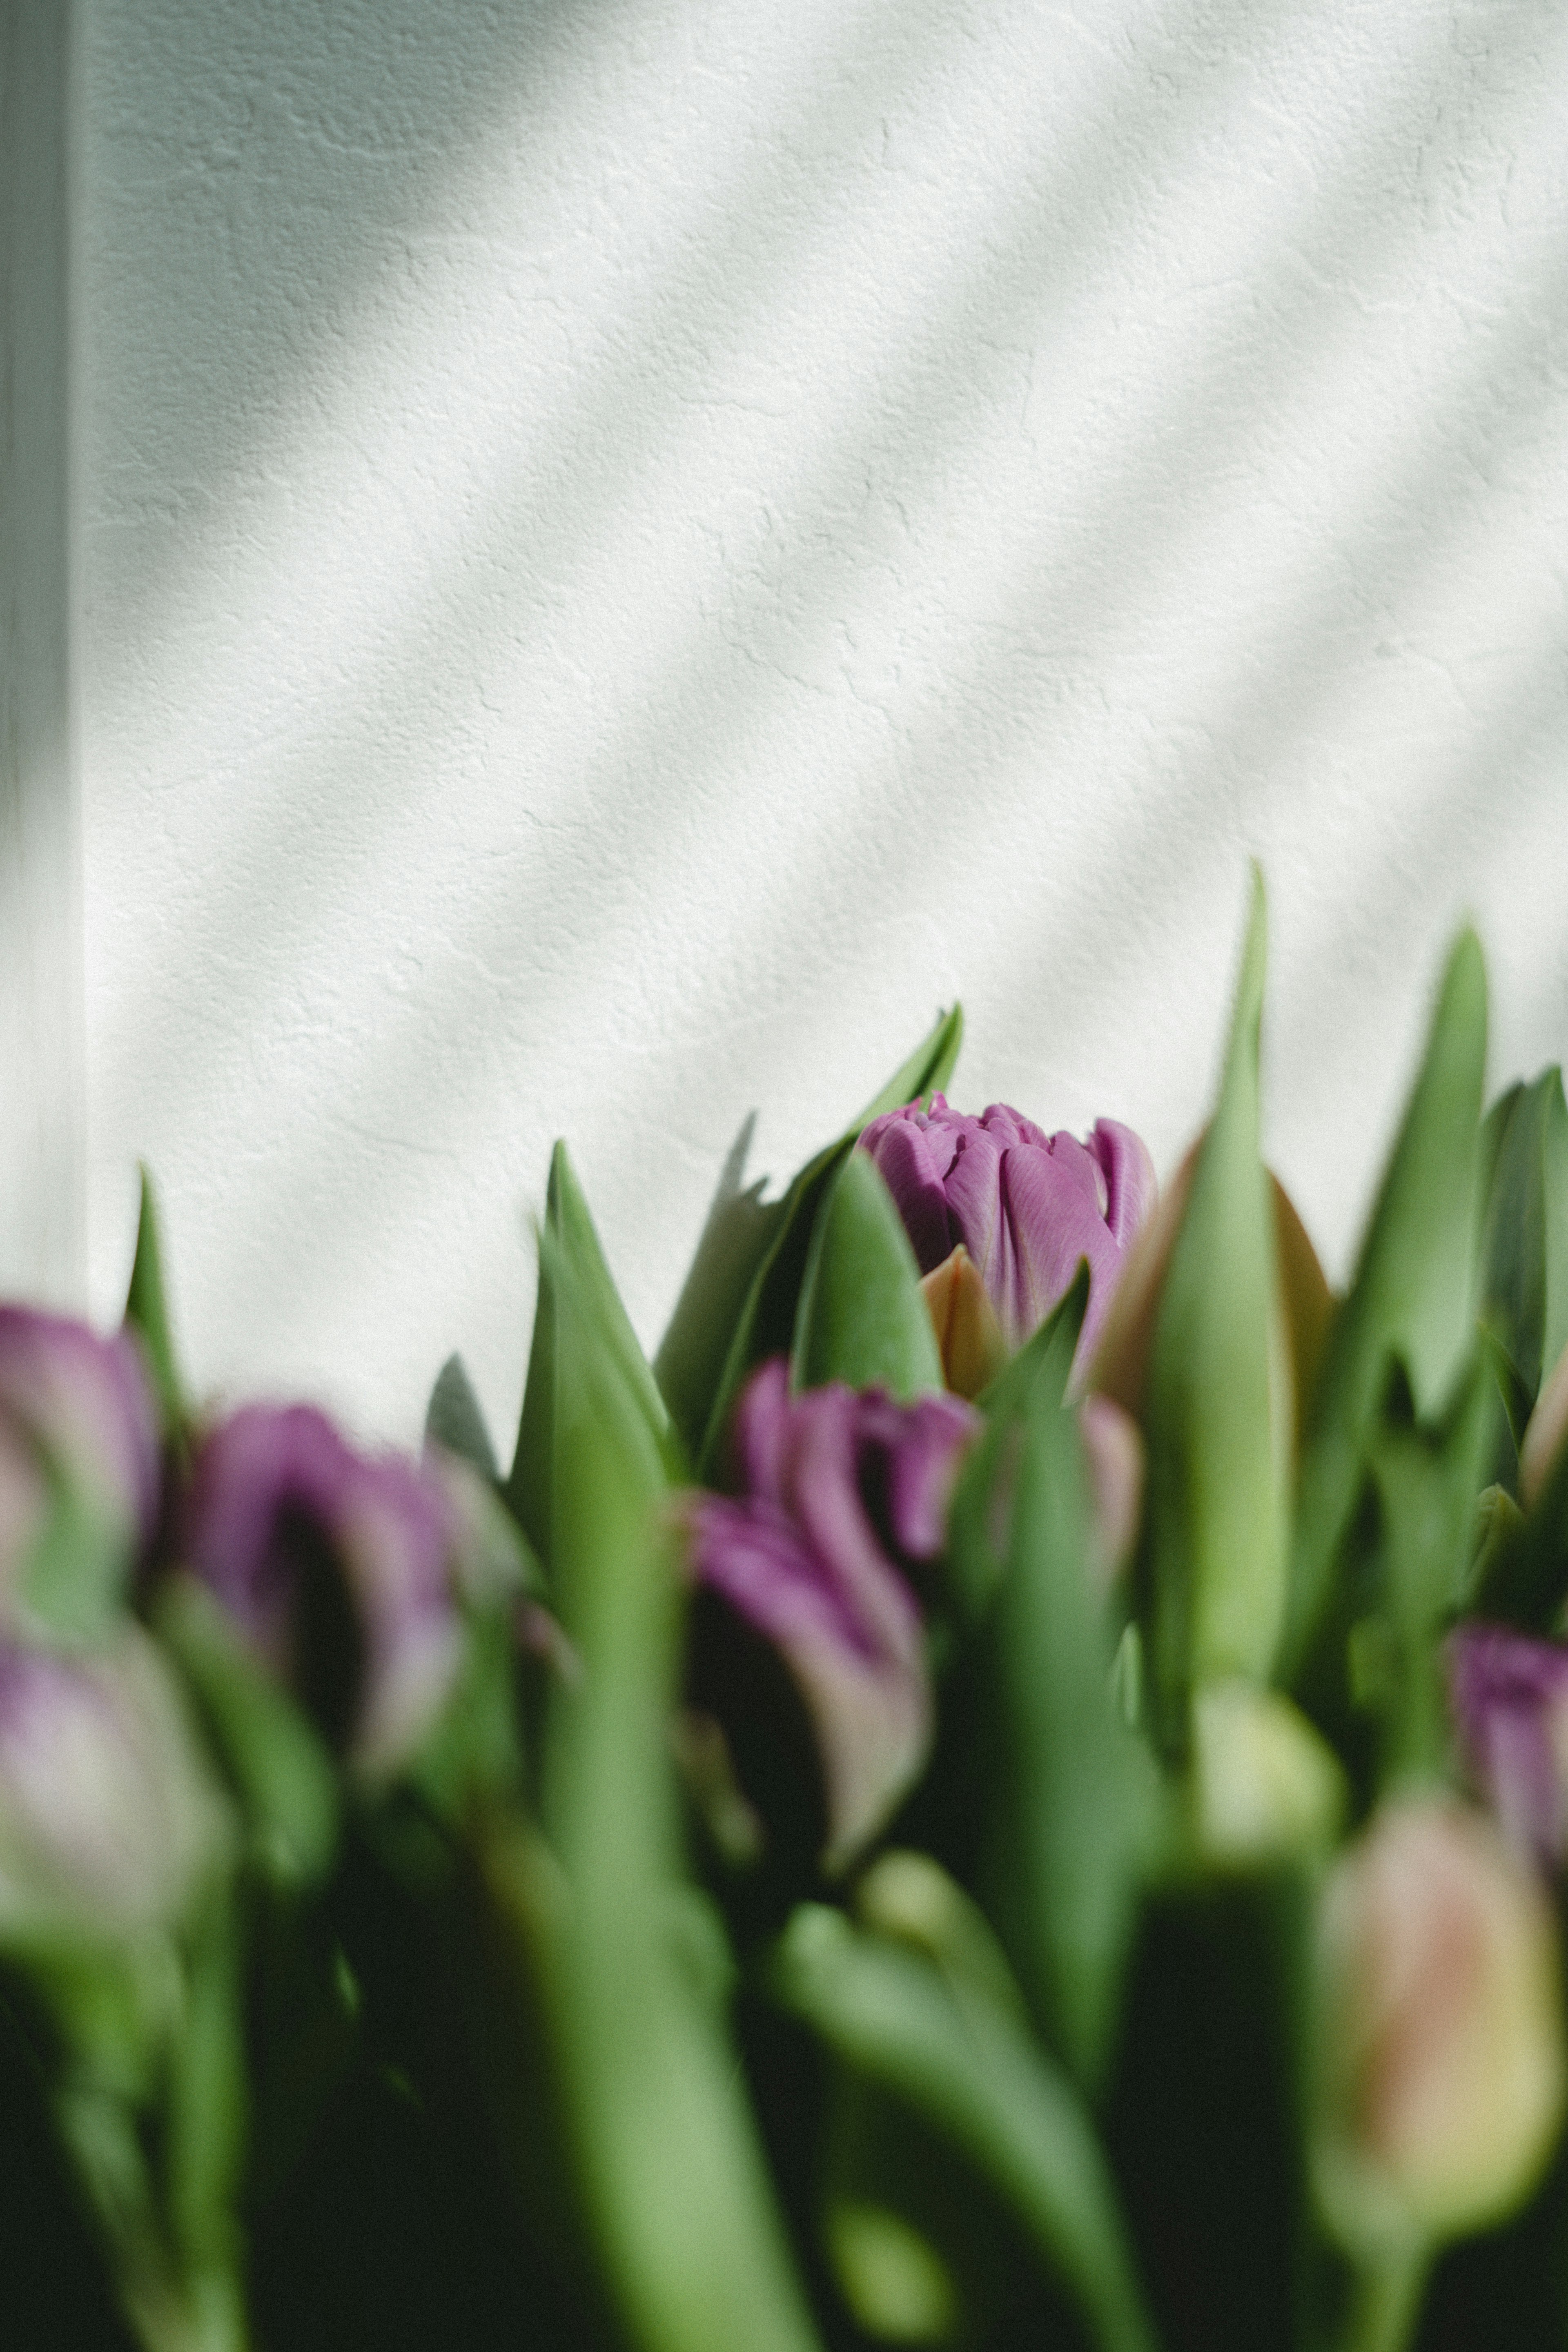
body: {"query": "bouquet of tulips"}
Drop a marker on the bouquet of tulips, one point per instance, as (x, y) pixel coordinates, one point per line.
(1010, 1789)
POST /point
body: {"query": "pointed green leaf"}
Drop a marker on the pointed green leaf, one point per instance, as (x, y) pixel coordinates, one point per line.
(1218, 1419)
(1554, 1220)
(765, 1326)
(977, 1517)
(1524, 1230)
(926, 1072)
(574, 1252)
(739, 1230)
(456, 1419)
(1073, 1791)
(1427, 1480)
(862, 1317)
(147, 1313)
(1414, 1292)
(972, 2072)
(676, 2193)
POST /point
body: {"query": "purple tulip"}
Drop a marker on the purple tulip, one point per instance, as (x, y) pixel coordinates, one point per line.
(340, 1568)
(109, 1815)
(1026, 1205)
(77, 1427)
(844, 1501)
(1510, 1703)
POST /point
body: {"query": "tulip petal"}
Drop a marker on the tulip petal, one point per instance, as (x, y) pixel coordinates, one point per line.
(913, 1166)
(1131, 1187)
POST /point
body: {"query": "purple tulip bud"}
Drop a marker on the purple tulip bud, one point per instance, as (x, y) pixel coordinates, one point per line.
(77, 1423)
(844, 1501)
(1509, 1697)
(338, 1566)
(1026, 1205)
(108, 1812)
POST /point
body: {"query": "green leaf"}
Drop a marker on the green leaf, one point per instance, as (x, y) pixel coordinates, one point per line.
(1520, 1577)
(976, 1522)
(765, 1325)
(926, 1072)
(1073, 1792)
(1218, 1411)
(862, 1317)
(147, 1313)
(455, 1419)
(1413, 1295)
(972, 2071)
(675, 2186)
(274, 1758)
(1525, 1235)
(73, 1583)
(573, 1254)
(1426, 1481)
(740, 1229)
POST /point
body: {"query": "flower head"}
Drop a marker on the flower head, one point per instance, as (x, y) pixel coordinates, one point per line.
(1027, 1206)
(843, 1503)
(1440, 2029)
(1509, 1697)
(108, 1811)
(338, 1569)
(78, 1458)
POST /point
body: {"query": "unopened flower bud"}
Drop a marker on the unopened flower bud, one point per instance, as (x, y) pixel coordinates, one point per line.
(1026, 1205)
(339, 1568)
(844, 1504)
(1440, 2030)
(108, 1813)
(1265, 1785)
(79, 1461)
(1511, 1705)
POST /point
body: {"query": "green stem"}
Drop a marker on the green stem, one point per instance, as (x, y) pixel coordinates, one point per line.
(1385, 2303)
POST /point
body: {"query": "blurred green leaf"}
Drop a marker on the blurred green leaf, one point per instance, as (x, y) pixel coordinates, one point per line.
(862, 1317)
(765, 1324)
(75, 1578)
(1426, 1481)
(674, 2181)
(1218, 1418)
(1524, 1236)
(205, 2106)
(1072, 1791)
(274, 1758)
(455, 1419)
(1413, 1295)
(1520, 1577)
(573, 1254)
(147, 1313)
(972, 2070)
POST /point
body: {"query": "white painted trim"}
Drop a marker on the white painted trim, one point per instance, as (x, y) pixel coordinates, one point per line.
(42, 1093)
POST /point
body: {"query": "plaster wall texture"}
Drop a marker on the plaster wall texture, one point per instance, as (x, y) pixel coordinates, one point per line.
(630, 551)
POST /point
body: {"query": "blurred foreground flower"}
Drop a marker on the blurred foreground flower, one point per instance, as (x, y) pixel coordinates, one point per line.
(1441, 2031)
(844, 1500)
(1511, 1704)
(108, 1814)
(78, 1471)
(338, 1569)
(1024, 1205)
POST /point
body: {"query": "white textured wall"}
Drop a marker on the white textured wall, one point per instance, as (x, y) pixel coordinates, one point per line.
(629, 552)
